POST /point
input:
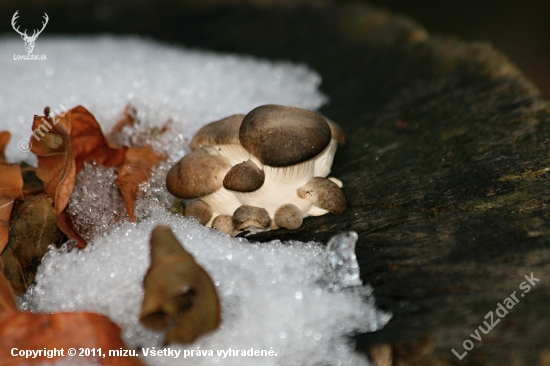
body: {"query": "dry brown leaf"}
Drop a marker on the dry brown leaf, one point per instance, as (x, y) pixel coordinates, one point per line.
(63, 144)
(65, 224)
(33, 228)
(28, 331)
(56, 164)
(32, 185)
(89, 143)
(178, 292)
(5, 137)
(136, 169)
(7, 297)
(128, 119)
(11, 188)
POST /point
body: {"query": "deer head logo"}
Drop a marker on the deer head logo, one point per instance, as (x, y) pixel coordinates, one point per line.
(29, 40)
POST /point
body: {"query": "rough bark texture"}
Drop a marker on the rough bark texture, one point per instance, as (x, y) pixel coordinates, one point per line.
(446, 172)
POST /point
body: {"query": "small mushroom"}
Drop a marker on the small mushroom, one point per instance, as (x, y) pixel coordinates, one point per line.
(247, 217)
(244, 177)
(223, 223)
(196, 175)
(199, 210)
(288, 216)
(281, 136)
(324, 193)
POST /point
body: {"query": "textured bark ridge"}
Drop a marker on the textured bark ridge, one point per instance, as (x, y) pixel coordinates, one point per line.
(446, 172)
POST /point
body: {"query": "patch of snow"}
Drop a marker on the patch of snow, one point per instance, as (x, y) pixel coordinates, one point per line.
(275, 296)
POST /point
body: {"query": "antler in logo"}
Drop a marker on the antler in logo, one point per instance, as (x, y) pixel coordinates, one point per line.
(29, 41)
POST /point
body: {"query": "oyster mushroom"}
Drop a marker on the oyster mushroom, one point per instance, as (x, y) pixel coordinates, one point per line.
(196, 175)
(244, 177)
(290, 144)
(288, 217)
(224, 223)
(324, 193)
(200, 175)
(268, 162)
(200, 210)
(251, 218)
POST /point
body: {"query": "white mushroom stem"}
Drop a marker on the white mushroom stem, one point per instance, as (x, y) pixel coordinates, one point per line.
(222, 202)
(323, 161)
(316, 211)
(280, 185)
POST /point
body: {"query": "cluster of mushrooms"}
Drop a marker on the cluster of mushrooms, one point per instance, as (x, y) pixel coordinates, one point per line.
(260, 171)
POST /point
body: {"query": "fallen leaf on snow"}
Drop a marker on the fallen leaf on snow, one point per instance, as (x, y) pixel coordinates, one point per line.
(128, 119)
(179, 294)
(136, 169)
(51, 143)
(88, 141)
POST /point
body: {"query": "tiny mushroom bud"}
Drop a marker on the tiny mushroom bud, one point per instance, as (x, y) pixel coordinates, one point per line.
(281, 136)
(244, 177)
(324, 193)
(288, 216)
(200, 210)
(223, 223)
(196, 175)
(250, 216)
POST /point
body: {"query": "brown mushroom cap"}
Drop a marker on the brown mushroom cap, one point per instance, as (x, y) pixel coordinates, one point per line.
(280, 136)
(246, 216)
(244, 177)
(324, 193)
(222, 132)
(200, 210)
(288, 216)
(223, 223)
(197, 175)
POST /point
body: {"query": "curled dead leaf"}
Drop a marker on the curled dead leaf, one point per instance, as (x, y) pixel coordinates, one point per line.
(5, 138)
(137, 168)
(65, 224)
(63, 144)
(7, 297)
(51, 143)
(128, 119)
(33, 229)
(88, 141)
(179, 294)
(28, 331)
